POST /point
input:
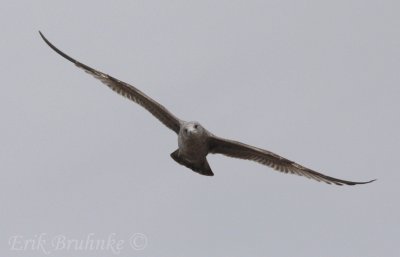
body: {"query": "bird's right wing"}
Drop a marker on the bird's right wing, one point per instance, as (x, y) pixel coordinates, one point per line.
(242, 151)
(129, 91)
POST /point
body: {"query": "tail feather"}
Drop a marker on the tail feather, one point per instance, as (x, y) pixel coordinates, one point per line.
(202, 167)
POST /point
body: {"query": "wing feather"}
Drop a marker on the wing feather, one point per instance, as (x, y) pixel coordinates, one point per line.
(242, 151)
(126, 90)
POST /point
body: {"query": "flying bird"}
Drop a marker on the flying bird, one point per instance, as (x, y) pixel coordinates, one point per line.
(194, 141)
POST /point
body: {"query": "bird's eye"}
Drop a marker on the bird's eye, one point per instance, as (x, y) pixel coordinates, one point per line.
(195, 126)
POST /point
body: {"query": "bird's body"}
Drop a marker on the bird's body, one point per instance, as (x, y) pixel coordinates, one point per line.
(192, 141)
(195, 142)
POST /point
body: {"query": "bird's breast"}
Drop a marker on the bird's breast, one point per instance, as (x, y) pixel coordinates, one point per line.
(192, 148)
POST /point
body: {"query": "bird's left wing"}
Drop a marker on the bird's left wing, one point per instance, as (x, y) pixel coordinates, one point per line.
(129, 91)
(242, 151)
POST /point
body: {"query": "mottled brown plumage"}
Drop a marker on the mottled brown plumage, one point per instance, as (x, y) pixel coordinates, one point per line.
(194, 141)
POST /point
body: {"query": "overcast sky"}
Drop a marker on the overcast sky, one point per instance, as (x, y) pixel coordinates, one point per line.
(315, 81)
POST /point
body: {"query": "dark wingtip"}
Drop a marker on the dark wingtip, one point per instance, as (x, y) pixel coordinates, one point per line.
(362, 183)
(56, 49)
(44, 38)
(340, 182)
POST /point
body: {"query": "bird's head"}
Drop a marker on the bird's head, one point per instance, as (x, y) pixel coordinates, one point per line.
(192, 129)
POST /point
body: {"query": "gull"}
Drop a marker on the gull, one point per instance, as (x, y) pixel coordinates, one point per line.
(194, 141)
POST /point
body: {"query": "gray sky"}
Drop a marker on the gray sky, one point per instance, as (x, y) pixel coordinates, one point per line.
(314, 81)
